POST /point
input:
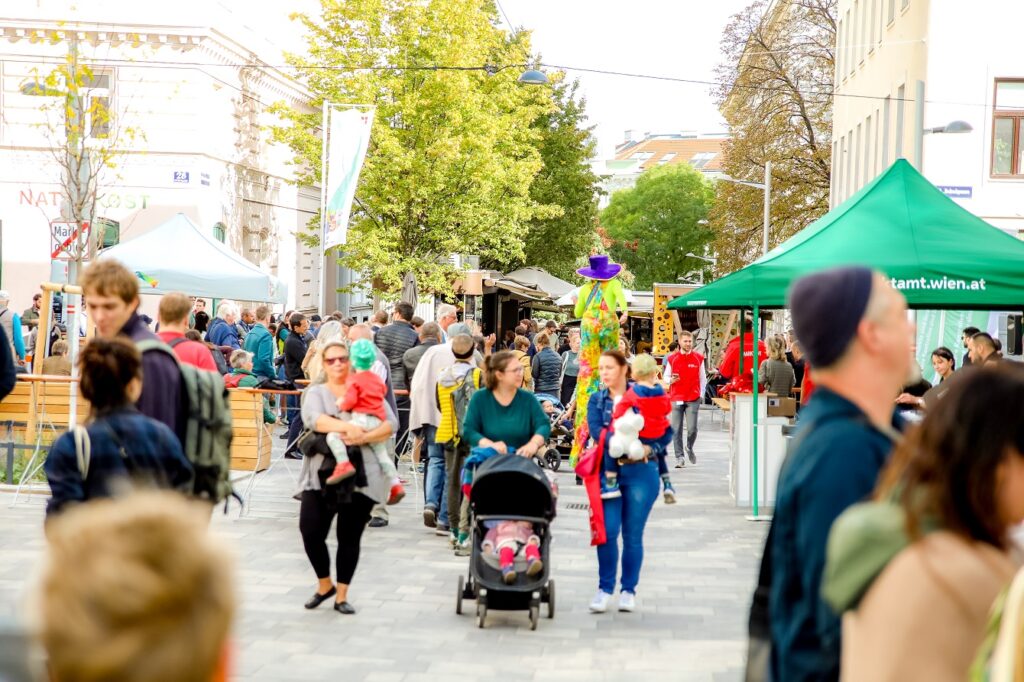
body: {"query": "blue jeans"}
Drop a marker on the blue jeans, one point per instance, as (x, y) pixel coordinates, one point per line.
(628, 514)
(435, 483)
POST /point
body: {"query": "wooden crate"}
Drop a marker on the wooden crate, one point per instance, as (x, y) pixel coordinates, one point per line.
(246, 421)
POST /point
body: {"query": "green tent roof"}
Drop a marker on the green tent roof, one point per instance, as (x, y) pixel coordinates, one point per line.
(938, 254)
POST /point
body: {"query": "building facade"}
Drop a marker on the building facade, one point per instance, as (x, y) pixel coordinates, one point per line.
(965, 63)
(200, 100)
(639, 153)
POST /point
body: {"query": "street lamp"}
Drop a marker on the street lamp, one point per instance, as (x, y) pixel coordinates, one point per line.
(952, 128)
(767, 187)
(706, 259)
(533, 77)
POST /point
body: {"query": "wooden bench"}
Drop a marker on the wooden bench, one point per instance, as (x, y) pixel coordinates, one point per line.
(722, 403)
(246, 423)
(40, 405)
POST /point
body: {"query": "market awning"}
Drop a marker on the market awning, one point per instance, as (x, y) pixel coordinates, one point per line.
(938, 254)
(541, 280)
(178, 256)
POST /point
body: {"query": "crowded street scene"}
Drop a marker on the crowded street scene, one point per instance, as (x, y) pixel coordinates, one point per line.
(355, 340)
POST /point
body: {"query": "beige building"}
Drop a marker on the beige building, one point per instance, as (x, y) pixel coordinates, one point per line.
(906, 70)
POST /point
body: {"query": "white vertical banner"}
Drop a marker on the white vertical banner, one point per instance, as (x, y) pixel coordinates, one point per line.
(348, 139)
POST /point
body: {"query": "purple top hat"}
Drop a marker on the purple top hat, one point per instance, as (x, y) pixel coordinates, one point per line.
(600, 268)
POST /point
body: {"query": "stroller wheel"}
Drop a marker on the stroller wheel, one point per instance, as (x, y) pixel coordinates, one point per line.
(534, 616)
(551, 599)
(553, 459)
(481, 615)
(458, 598)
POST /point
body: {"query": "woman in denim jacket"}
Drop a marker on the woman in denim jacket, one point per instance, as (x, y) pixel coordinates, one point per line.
(639, 484)
(125, 447)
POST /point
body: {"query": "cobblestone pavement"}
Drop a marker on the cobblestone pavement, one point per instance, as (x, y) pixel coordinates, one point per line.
(699, 571)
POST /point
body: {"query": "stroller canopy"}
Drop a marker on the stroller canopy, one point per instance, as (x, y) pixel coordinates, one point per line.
(512, 486)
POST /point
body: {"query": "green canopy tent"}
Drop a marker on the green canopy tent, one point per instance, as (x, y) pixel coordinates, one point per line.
(938, 254)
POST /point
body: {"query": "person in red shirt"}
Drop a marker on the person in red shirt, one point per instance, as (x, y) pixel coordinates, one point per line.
(364, 398)
(173, 313)
(730, 367)
(687, 380)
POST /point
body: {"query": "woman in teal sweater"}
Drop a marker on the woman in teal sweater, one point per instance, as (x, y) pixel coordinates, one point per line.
(502, 415)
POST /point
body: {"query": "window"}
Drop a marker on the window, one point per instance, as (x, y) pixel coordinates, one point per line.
(900, 95)
(848, 152)
(97, 102)
(892, 11)
(841, 45)
(848, 56)
(874, 145)
(665, 158)
(862, 24)
(642, 156)
(874, 25)
(904, 4)
(855, 152)
(701, 159)
(110, 231)
(886, 109)
(1007, 124)
(867, 150)
(836, 172)
(220, 232)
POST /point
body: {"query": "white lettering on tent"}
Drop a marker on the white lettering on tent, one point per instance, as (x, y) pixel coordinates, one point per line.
(936, 284)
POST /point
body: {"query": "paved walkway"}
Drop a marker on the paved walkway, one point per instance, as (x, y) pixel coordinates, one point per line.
(701, 560)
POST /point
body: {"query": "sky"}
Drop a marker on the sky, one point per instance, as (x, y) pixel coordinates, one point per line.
(677, 38)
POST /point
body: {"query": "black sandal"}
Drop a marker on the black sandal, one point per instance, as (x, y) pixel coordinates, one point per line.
(345, 608)
(318, 599)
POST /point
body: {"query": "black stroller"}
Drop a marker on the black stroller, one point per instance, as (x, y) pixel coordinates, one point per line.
(509, 488)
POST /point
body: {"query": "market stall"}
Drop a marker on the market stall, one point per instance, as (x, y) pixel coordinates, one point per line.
(939, 255)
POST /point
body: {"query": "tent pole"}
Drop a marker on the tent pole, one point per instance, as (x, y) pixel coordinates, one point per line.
(754, 368)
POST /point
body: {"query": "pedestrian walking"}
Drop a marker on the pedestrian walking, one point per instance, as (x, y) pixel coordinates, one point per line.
(311, 364)
(294, 354)
(521, 352)
(173, 315)
(260, 343)
(352, 503)
(30, 316)
(118, 446)
(8, 375)
(776, 374)
(570, 367)
(10, 322)
(393, 340)
(954, 492)
(638, 484)
(687, 380)
(854, 329)
(134, 589)
(429, 336)
(200, 318)
(596, 304)
(112, 299)
(546, 367)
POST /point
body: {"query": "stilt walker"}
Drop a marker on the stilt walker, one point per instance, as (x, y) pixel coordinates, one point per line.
(596, 304)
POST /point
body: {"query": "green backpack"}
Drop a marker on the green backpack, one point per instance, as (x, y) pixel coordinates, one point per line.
(207, 437)
(462, 395)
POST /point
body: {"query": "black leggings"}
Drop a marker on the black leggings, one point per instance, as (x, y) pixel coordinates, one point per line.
(315, 523)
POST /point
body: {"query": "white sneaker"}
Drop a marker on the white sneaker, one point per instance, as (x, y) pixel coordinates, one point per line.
(627, 602)
(599, 604)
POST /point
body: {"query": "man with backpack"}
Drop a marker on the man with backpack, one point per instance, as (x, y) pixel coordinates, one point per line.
(192, 402)
(455, 386)
(173, 315)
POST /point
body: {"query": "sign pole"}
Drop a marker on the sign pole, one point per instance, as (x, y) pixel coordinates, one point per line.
(325, 128)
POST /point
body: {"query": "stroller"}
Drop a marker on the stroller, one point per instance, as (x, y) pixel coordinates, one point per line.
(560, 441)
(509, 488)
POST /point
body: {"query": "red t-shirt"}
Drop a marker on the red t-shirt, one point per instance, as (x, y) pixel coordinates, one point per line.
(365, 394)
(730, 366)
(190, 352)
(653, 408)
(686, 368)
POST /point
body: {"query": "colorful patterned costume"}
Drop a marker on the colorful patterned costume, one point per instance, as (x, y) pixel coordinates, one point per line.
(599, 331)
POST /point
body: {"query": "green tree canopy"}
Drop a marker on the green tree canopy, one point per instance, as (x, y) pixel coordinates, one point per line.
(655, 224)
(454, 149)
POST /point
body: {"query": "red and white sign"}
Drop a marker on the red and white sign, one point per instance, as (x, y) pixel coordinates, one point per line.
(64, 240)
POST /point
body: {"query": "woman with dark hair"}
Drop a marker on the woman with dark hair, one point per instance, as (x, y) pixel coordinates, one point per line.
(502, 415)
(944, 364)
(350, 501)
(938, 540)
(638, 483)
(118, 443)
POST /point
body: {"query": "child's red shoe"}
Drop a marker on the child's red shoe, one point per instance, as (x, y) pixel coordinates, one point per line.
(342, 471)
(396, 494)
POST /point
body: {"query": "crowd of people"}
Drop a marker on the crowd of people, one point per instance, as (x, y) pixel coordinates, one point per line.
(896, 508)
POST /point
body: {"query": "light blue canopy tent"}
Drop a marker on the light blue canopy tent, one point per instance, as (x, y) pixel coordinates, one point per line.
(179, 256)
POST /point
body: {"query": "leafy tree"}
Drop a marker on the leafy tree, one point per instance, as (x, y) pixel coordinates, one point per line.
(655, 224)
(453, 151)
(565, 181)
(775, 93)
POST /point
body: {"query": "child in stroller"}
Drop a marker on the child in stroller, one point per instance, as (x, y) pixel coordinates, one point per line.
(560, 440)
(504, 538)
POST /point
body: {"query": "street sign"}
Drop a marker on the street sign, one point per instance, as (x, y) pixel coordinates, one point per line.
(957, 192)
(64, 241)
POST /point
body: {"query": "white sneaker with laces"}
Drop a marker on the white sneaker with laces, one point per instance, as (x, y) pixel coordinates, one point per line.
(627, 602)
(599, 604)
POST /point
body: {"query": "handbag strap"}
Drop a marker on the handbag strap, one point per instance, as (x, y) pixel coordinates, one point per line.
(594, 290)
(83, 450)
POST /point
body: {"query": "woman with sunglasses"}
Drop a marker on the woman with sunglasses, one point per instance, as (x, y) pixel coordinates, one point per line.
(351, 505)
(502, 415)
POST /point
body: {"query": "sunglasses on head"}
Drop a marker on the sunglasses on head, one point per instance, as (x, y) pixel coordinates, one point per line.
(340, 359)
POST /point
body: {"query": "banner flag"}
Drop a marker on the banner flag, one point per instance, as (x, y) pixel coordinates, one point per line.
(346, 149)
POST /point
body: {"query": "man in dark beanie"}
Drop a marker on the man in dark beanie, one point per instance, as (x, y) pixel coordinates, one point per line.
(855, 333)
